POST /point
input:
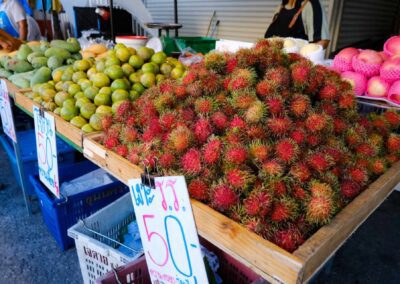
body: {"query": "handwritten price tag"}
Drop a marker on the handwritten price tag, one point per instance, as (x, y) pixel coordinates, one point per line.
(168, 232)
(6, 112)
(46, 150)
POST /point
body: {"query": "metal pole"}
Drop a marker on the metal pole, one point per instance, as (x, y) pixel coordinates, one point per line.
(112, 21)
(45, 18)
(176, 16)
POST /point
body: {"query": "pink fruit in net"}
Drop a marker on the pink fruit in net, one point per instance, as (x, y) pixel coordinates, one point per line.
(390, 70)
(394, 92)
(392, 46)
(383, 55)
(377, 87)
(367, 62)
(342, 61)
(357, 80)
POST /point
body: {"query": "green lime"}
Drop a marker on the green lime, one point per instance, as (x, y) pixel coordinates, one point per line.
(91, 92)
(78, 121)
(100, 80)
(159, 58)
(95, 121)
(138, 87)
(81, 101)
(134, 78)
(123, 54)
(87, 128)
(148, 79)
(120, 84)
(102, 99)
(87, 109)
(73, 89)
(114, 72)
(166, 69)
(78, 76)
(145, 52)
(133, 95)
(136, 61)
(149, 67)
(176, 73)
(119, 95)
(68, 112)
(127, 69)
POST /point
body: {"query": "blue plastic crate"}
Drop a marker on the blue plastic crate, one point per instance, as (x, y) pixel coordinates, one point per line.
(60, 214)
(27, 144)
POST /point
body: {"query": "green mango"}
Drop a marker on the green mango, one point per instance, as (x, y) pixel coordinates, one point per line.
(4, 59)
(19, 66)
(63, 53)
(21, 83)
(38, 62)
(71, 46)
(55, 62)
(4, 73)
(42, 75)
(33, 55)
(23, 52)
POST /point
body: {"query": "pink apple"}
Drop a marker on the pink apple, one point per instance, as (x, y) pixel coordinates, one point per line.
(370, 56)
(377, 87)
(357, 80)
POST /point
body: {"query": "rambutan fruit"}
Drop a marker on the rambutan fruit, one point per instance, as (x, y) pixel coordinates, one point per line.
(328, 107)
(300, 171)
(246, 58)
(237, 124)
(284, 209)
(286, 150)
(122, 150)
(279, 126)
(347, 100)
(262, 43)
(393, 118)
(352, 138)
(195, 89)
(186, 114)
(237, 213)
(198, 189)
(134, 156)
(300, 73)
(236, 155)
(380, 124)
(123, 111)
(314, 140)
(231, 65)
(256, 225)
(299, 193)
(131, 121)
(242, 101)
(212, 151)
(377, 166)
(167, 161)
(392, 158)
(319, 162)
(256, 131)
(299, 105)
(239, 179)
(279, 186)
(255, 113)
(267, 88)
(110, 142)
(242, 79)
(215, 61)
(361, 162)
(272, 168)
(233, 136)
(330, 178)
(191, 162)
(393, 144)
(319, 210)
(358, 175)
(329, 91)
(128, 135)
(298, 135)
(164, 102)
(320, 189)
(275, 105)
(279, 74)
(204, 105)
(180, 92)
(317, 122)
(106, 122)
(223, 197)
(210, 83)
(259, 151)
(219, 120)
(366, 149)
(349, 189)
(316, 80)
(168, 120)
(339, 125)
(258, 203)
(166, 86)
(289, 239)
(189, 78)
(202, 130)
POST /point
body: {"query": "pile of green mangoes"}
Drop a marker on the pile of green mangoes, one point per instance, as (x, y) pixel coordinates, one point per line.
(33, 63)
(91, 88)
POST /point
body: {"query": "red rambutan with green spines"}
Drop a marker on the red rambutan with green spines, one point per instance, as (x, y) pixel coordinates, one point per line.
(392, 158)
(122, 150)
(236, 155)
(223, 197)
(231, 64)
(242, 78)
(328, 107)
(300, 171)
(256, 225)
(275, 105)
(128, 135)
(299, 193)
(284, 209)
(256, 132)
(198, 189)
(255, 113)
(361, 162)
(347, 100)
(319, 210)
(267, 88)
(239, 179)
(393, 118)
(167, 161)
(123, 111)
(298, 135)
(262, 43)
(300, 73)
(233, 136)
(238, 213)
(376, 140)
(134, 156)
(168, 120)
(289, 239)
(204, 105)
(219, 120)
(279, 126)
(329, 91)
(380, 124)
(330, 178)
(202, 130)
(353, 138)
(114, 130)
(349, 189)
(131, 121)
(316, 122)
(226, 82)
(190, 77)
(393, 143)
(358, 175)
(110, 142)
(314, 140)
(287, 150)
(186, 114)
(164, 102)
(278, 186)
(210, 83)
(339, 125)
(166, 86)
(377, 166)
(259, 151)
(315, 82)
(320, 189)
(237, 124)
(272, 169)
(319, 162)
(333, 152)
(215, 61)
(180, 92)
(258, 203)
(195, 89)
(243, 101)
(106, 122)
(279, 74)
(191, 162)
(212, 151)
(299, 105)
(246, 58)
(366, 149)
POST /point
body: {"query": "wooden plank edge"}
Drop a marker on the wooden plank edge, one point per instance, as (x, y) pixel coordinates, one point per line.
(329, 238)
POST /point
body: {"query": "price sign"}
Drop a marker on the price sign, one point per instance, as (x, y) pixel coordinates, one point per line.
(6, 112)
(168, 232)
(46, 150)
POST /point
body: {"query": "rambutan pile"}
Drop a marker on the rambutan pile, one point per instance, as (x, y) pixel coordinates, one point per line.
(264, 137)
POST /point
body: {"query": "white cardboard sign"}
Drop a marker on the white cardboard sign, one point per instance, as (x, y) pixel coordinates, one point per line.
(168, 232)
(6, 112)
(46, 150)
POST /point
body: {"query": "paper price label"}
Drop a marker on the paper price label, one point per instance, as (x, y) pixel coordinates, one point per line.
(46, 150)
(168, 232)
(6, 112)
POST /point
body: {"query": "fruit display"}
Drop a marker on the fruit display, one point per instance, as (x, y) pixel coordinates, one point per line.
(372, 73)
(94, 51)
(267, 138)
(87, 90)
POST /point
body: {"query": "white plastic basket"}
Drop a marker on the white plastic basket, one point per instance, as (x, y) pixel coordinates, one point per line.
(98, 236)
